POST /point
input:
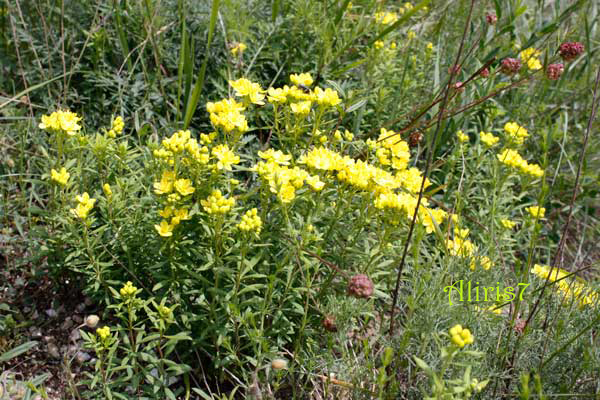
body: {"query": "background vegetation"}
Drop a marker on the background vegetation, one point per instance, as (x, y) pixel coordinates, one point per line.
(157, 64)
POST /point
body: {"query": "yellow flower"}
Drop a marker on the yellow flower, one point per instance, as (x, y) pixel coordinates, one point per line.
(84, 207)
(529, 56)
(411, 35)
(103, 333)
(252, 91)
(250, 221)
(166, 212)
(61, 177)
(165, 185)
(393, 45)
(225, 157)
(61, 120)
(462, 137)
(536, 211)
(128, 290)
(117, 127)
(180, 215)
(276, 95)
(516, 132)
(327, 97)
(184, 187)
(238, 49)
(164, 229)
(315, 182)
(386, 18)
(460, 336)
(507, 223)
(303, 79)
(488, 138)
(378, 44)
(276, 156)
(301, 108)
(429, 46)
(107, 190)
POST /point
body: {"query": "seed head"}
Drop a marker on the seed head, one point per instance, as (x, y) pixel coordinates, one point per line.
(570, 50)
(360, 286)
(554, 71)
(510, 66)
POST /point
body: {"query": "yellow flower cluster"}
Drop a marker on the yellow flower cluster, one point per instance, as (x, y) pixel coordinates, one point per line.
(251, 92)
(530, 57)
(536, 211)
(164, 312)
(386, 17)
(250, 221)
(485, 262)
(61, 177)
(462, 137)
(183, 146)
(116, 128)
(379, 44)
(103, 333)
(460, 336)
(517, 133)
(275, 156)
(284, 181)
(238, 48)
(507, 223)
(512, 158)
(84, 206)
(61, 121)
(300, 97)
(128, 290)
(488, 138)
(461, 246)
(571, 288)
(165, 228)
(391, 150)
(227, 114)
(168, 184)
(381, 183)
(216, 203)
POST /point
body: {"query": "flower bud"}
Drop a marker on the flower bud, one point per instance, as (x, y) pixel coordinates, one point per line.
(510, 66)
(554, 71)
(491, 18)
(91, 321)
(279, 363)
(484, 73)
(360, 286)
(570, 50)
(329, 324)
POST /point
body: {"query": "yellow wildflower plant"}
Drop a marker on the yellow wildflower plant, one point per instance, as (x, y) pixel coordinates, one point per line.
(238, 49)
(61, 121)
(103, 333)
(128, 290)
(117, 127)
(301, 108)
(513, 159)
(536, 211)
(61, 177)
(84, 206)
(573, 288)
(276, 156)
(386, 18)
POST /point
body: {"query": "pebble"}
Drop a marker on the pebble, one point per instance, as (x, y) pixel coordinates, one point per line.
(51, 313)
(53, 351)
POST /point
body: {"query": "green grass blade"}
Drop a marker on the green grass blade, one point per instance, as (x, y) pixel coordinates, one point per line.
(34, 87)
(193, 102)
(121, 34)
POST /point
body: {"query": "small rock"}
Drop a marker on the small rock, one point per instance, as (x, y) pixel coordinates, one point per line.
(80, 308)
(88, 302)
(67, 324)
(51, 313)
(78, 319)
(74, 336)
(82, 357)
(48, 339)
(53, 351)
(35, 332)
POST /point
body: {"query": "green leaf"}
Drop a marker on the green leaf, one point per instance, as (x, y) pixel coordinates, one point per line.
(17, 351)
